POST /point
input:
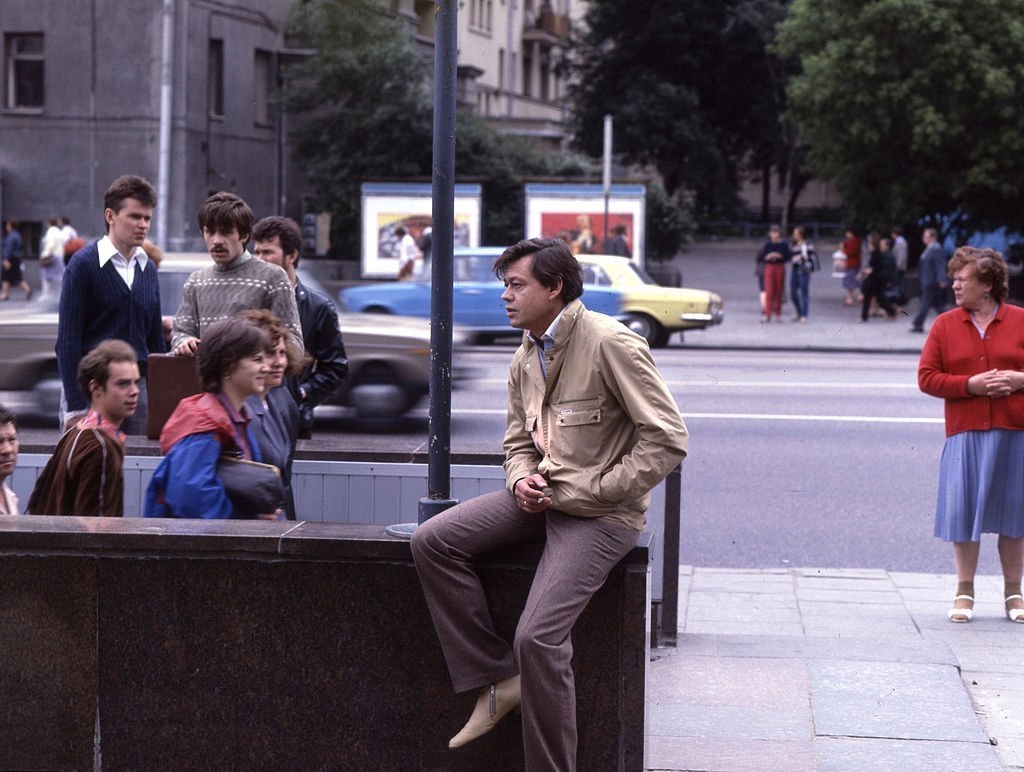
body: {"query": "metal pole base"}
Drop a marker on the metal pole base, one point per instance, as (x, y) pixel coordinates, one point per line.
(401, 530)
(427, 509)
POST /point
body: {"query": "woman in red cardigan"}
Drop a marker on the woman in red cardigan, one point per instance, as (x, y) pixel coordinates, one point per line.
(974, 360)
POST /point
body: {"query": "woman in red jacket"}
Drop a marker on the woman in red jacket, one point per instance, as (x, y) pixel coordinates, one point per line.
(974, 360)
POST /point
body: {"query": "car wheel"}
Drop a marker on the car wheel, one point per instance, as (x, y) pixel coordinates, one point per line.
(648, 328)
(47, 393)
(378, 394)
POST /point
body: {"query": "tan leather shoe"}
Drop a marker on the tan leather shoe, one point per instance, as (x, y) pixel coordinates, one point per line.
(492, 705)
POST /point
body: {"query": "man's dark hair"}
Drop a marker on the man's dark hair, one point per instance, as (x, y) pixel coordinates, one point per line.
(7, 417)
(128, 186)
(552, 260)
(223, 212)
(95, 366)
(286, 230)
(225, 344)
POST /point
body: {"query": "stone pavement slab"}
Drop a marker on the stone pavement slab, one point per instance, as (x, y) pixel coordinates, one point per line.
(835, 670)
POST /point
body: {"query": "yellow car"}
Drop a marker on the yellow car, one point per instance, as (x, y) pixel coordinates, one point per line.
(652, 310)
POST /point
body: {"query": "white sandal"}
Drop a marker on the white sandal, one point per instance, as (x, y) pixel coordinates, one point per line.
(1014, 614)
(966, 613)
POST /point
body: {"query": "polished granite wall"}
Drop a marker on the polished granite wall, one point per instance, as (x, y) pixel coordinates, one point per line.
(141, 644)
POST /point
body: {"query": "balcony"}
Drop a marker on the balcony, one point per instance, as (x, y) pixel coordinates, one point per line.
(546, 26)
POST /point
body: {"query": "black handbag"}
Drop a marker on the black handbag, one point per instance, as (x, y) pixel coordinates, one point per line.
(254, 488)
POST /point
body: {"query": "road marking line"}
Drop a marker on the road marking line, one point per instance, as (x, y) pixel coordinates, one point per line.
(756, 417)
(843, 418)
(756, 384)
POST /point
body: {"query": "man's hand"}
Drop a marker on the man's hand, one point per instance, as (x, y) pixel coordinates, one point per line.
(533, 493)
(187, 348)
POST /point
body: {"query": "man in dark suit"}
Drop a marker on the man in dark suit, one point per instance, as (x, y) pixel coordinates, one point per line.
(933, 278)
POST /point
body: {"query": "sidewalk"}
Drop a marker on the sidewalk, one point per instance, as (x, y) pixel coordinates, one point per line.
(727, 267)
(806, 669)
(841, 670)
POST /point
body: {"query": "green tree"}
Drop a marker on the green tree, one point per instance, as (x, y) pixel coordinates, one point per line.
(364, 113)
(367, 115)
(914, 109)
(694, 91)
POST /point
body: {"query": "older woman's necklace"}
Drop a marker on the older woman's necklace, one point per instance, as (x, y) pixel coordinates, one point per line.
(983, 324)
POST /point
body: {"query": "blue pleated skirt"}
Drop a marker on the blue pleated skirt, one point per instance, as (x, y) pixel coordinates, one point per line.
(981, 485)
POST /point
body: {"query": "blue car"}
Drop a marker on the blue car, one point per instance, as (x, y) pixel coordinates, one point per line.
(476, 296)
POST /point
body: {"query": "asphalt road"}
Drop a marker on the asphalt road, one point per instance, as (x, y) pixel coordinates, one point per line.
(796, 458)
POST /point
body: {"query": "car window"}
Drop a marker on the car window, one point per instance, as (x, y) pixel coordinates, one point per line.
(594, 274)
(644, 276)
(170, 290)
(465, 268)
(480, 268)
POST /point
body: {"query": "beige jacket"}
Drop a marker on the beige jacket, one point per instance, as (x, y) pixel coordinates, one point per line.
(603, 428)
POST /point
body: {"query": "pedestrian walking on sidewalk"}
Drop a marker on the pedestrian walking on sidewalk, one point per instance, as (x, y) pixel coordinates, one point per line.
(851, 247)
(10, 267)
(879, 279)
(774, 254)
(805, 262)
(933, 279)
(971, 359)
(592, 428)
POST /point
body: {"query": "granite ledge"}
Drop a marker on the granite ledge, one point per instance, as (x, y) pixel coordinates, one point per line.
(254, 539)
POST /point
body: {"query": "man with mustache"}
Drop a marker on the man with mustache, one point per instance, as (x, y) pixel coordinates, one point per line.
(235, 282)
(84, 476)
(110, 290)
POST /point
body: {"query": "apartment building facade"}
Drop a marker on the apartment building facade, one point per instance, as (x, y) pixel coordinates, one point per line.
(182, 92)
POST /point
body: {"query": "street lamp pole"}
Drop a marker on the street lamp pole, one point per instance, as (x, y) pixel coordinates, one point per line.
(438, 496)
(606, 174)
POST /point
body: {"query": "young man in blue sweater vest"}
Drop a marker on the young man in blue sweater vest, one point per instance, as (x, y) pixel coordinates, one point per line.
(110, 290)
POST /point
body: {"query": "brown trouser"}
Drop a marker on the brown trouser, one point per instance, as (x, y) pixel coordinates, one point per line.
(578, 554)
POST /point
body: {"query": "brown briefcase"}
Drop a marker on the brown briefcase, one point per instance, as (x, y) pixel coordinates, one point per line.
(169, 380)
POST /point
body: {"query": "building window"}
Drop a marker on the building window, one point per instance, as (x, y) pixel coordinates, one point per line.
(527, 75)
(24, 71)
(481, 14)
(215, 87)
(545, 77)
(263, 83)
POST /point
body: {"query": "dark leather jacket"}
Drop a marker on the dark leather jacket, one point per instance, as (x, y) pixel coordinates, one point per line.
(322, 378)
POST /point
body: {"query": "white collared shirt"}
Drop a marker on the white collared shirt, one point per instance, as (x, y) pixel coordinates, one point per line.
(125, 266)
(547, 340)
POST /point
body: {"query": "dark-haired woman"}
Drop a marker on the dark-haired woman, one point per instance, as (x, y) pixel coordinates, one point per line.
(232, 366)
(275, 416)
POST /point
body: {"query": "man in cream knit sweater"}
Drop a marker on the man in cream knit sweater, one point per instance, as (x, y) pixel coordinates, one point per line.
(235, 282)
